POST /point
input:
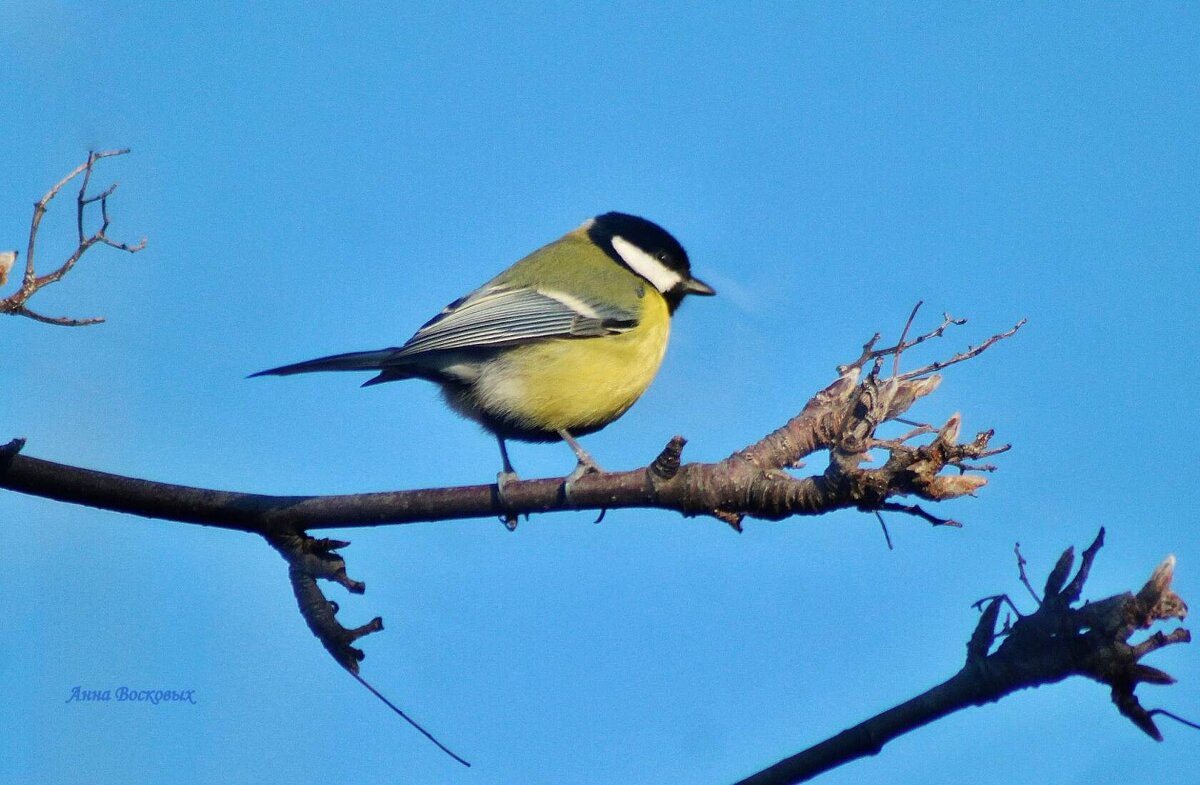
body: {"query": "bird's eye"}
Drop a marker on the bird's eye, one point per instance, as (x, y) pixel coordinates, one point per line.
(663, 257)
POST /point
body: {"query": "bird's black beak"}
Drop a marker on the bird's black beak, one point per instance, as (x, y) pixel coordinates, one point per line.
(696, 286)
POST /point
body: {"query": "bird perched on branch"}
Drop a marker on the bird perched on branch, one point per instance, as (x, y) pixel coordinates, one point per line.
(557, 346)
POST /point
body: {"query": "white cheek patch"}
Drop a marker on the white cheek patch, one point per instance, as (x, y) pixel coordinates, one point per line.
(645, 265)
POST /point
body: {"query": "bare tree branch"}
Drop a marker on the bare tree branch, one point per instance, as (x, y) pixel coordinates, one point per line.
(31, 282)
(841, 419)
(1054, 642)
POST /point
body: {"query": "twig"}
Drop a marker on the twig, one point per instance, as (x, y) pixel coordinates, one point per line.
(917, 511)
(31, 282)
(358, 677)
(1022, 576)
(887, 537)
(869, 352)
(973, 351)
(1004, 598)
(901, 346)
(1176, 717)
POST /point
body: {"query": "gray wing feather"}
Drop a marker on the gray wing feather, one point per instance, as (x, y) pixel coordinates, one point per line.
(502, 316)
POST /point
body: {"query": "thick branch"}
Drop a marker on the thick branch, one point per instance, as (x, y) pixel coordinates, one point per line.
(842, 419)
(1054, 642)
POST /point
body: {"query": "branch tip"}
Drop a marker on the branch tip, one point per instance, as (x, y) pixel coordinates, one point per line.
(948, 435)
(8, 451)
(733, 519)
(984, 634)
(666, 465)
(1058, 575)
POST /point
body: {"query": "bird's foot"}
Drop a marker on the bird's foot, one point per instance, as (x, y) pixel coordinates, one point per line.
(503, 479)
(585, 467)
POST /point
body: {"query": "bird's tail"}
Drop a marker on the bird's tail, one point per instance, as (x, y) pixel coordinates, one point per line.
(351, 361)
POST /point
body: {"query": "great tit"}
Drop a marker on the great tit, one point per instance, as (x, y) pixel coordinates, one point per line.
(557, 346)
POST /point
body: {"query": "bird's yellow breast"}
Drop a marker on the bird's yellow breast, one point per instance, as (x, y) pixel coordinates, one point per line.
(573, 384)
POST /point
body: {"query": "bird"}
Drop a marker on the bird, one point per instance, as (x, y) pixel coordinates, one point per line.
(557, 346)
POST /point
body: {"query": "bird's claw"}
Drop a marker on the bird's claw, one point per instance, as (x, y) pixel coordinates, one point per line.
(583, 468)
(503, 479)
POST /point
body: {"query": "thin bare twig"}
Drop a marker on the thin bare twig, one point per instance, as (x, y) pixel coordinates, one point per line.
(869, 352)
(1004, 598)
(917, 511)
(1023, 577)
(887, 537)
(972, 351)
(1174, 716)
(31, 282)
(900, 347)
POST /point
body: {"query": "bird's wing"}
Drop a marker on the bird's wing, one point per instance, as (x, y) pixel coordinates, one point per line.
(499, 316)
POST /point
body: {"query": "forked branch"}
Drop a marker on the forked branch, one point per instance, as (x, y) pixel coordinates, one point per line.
(31, 282)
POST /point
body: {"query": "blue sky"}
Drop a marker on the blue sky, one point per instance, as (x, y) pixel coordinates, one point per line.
(316, 180)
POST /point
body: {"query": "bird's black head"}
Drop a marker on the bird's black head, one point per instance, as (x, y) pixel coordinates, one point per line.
(650, 251)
